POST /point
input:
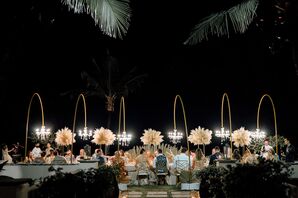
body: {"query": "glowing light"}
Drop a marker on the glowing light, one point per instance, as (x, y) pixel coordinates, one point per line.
(175, 136)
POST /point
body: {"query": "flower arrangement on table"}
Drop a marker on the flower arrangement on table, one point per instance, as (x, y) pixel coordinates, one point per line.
(151, 136)
(200, 136)
(103, 136)
(241, 137)
(65, 137)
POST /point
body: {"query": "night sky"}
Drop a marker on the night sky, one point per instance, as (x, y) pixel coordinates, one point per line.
(45, 47)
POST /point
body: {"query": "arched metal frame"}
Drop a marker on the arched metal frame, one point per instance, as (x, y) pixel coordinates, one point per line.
(122, 106)
(28, 115)
(185, 125)
(75, 117)
(225, 96)
(274, 117)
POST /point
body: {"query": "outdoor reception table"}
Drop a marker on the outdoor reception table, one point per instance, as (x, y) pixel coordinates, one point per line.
(36, 171)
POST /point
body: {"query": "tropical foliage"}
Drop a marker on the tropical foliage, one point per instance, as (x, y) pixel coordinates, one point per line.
(112, 16)
(239, 17)
(264, 179)
(97, 183)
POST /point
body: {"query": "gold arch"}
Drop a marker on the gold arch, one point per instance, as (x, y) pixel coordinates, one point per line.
(28, 115)
(122, 106)
(274, 117)
(75, 117)
(225, 96)
(185, 125)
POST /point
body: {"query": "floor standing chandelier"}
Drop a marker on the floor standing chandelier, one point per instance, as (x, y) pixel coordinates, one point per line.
(258, 134)
(222, 133)
(175, 136)
(43, 133)
(85, 134)
(123, 138)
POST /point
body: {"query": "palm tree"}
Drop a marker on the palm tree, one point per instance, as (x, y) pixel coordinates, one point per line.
(274, 18)
(112, 16)
(109, 82)
(240, 15)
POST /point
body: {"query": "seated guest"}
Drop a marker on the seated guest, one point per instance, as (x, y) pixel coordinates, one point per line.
(50, 157)
(266, 148)
(270, 155)
(160, 162)
(41, 159)
(58, 159)
(29, 159)
(216, 156)
(249, 157)
(236, 155)
(200, 160)
(100, 157)
(48, 149)
(123, 156)
(93, 157)
(141, 161)
(36, 151)
(182, 157)
(82, 155)
(70, 158)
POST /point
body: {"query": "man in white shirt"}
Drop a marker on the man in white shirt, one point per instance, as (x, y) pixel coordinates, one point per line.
(36, 151)
(182, 157)
(266, 148)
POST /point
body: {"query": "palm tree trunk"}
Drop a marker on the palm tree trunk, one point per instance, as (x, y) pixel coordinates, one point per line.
(110, 109)
(108, 126)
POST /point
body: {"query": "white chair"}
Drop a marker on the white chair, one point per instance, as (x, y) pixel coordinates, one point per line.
(180, 166)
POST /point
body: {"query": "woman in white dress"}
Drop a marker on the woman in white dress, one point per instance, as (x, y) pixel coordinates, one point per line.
(5, 154)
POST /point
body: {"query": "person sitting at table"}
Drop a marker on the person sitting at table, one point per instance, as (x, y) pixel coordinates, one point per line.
(123, 156)
(141, 161)
(58, 159)
(48, 149)
(36, 151)
(93, 157)
(200, 160)
(41, 159)
(181, 161)
(236, 155)
(82, 155)
(29, 159)
(249, 157)
(160, 158)
(161, 167)
(50, 157)
(100, 157)
(142, 167)
(70, 158)
(266, 148)
(217, 155)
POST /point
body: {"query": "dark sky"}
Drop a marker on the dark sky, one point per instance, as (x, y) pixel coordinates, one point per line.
(45, 48)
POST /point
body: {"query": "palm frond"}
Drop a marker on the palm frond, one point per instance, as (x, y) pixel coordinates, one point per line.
(240, 15)
(112, 16)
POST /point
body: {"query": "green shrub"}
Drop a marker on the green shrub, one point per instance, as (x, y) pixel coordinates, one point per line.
(265, 179)
(93, 183)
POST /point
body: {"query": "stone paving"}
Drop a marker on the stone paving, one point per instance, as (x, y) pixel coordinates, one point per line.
(157, 193)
